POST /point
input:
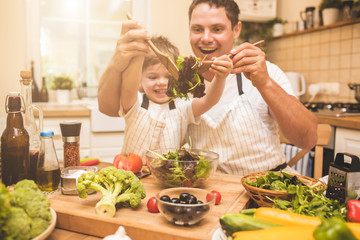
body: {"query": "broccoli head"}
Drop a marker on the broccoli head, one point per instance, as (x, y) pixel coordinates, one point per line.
(38, 226)
(117, 187)
(31, 199)
(28, 211)
(18, 225)
(4, 207)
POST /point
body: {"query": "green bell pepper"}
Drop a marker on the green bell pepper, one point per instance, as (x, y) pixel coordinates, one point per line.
(333, 228)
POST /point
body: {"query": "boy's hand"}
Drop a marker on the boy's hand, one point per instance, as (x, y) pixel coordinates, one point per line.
(221, 66)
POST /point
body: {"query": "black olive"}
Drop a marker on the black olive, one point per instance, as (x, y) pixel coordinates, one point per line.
(175, 200)
(165, 198)
(199, 202)
(183, 197)
(191, 200)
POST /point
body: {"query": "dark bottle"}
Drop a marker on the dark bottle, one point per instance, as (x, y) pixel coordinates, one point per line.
(14, 143)
(34, 87)
(44, 94)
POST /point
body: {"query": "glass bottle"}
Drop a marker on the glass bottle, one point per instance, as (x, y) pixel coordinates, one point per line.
(44, 94)
(70, 131)
(29, 121)
(14, 143)
(48, 169)
(34, 87)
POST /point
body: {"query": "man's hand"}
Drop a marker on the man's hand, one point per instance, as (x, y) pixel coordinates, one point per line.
(131, 43)
(251, 61)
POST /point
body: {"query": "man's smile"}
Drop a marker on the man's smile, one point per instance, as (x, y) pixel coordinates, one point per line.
(207, 50)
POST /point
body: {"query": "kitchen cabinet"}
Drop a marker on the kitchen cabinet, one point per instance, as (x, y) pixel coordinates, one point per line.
(54, 125)
(103, 145)
(347, 140)
(100, 136)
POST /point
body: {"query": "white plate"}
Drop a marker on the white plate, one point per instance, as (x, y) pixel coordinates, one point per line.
(50, 229)
(219, 235)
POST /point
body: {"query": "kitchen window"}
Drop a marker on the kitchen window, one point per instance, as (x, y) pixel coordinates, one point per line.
(77, 37)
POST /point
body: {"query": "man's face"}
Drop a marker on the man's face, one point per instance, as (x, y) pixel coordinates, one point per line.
(211, 34)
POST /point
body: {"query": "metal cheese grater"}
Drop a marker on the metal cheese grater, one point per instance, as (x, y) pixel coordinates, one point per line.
(344, 178)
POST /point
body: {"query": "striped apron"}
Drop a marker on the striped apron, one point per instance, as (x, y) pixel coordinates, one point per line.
(240, 138)
(144, 132)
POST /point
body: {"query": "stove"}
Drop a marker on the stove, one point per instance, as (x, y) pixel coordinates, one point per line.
(334, 109)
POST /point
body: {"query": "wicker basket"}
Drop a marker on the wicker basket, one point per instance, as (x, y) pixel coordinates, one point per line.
(260, 196)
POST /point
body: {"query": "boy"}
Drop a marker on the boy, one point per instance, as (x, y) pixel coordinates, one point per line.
(152, 121)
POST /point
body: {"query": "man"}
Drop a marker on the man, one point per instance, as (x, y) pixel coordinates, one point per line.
(243, 126)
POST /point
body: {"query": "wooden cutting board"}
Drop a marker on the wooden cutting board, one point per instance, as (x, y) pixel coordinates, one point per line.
(76, 214)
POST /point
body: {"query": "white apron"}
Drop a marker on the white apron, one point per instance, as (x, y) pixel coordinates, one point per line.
(240, 138)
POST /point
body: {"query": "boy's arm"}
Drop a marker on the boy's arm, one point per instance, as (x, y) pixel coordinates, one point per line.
(221, 66)
(131, 43)
(131, 80)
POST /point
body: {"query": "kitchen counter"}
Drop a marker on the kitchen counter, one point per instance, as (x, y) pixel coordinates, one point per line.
(345, 122)
(55, 110)
(77, 215)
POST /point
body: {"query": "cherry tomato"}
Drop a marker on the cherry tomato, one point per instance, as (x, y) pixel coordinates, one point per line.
(128, 162)
(152, 206)
(217, 197)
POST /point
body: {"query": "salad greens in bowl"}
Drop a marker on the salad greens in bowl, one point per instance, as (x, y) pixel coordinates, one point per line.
(182, 167)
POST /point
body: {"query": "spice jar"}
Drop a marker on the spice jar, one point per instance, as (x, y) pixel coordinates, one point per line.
(70, 131)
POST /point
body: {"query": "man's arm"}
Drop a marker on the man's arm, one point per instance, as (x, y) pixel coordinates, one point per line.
(296, 122)
(130, 44)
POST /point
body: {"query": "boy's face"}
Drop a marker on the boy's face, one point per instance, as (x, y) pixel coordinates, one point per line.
(210, 31)
(154, 81)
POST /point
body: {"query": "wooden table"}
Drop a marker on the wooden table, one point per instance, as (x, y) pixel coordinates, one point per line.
(75, 215)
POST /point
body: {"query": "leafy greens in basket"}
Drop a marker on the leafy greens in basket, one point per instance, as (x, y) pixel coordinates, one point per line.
(181, 168)
(306, 200)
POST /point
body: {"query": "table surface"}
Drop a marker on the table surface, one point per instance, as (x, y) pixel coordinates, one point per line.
(75, 215)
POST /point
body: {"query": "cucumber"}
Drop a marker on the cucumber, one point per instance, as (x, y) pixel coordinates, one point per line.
(235, 222)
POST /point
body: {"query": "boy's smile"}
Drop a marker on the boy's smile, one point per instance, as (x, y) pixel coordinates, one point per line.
(154, 81)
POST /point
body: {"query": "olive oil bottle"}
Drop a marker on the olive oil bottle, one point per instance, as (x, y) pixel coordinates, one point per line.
(48, 169)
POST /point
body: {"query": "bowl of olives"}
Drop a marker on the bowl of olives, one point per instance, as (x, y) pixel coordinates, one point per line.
(183, 205)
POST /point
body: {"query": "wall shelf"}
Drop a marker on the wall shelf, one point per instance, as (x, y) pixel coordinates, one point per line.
(338, 24)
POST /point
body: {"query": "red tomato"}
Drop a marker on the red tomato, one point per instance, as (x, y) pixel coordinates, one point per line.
(152, 206)
(128, 162)
(217, 197)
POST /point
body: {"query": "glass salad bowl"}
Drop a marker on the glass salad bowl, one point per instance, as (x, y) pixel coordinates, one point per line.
(183, 205)
(182, 167)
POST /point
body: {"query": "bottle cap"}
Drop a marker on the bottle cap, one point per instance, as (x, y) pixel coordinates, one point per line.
(13, 102)
(70, 128)
(47, 133)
